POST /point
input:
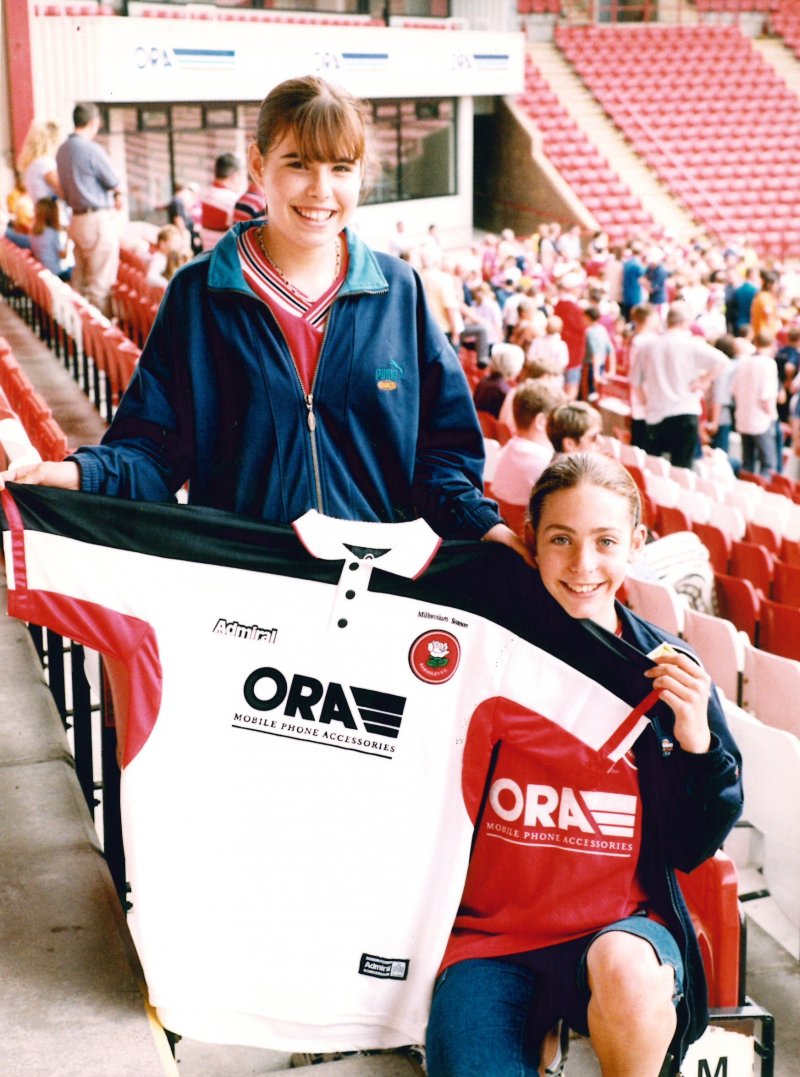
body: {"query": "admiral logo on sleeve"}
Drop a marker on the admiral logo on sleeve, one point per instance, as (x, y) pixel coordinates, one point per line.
(383, 968)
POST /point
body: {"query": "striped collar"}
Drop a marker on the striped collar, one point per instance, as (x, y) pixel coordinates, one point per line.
(364, 274)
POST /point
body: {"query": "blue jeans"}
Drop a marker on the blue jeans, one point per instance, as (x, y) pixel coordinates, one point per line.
(758, 452)
(489, 1015)
(778, 446)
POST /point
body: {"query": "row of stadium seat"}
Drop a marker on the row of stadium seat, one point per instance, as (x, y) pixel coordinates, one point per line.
(786, 24)
(616, 209)
(210, 12)
(737, 6)
(134, 301)
(682, 153)
(30, 407)
(539, 7)
(98, 354)
(206, 12)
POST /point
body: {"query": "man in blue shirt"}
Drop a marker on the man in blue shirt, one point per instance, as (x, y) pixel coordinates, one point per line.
(742, 298)
(91, 190)
(632, 274)
(657, 276)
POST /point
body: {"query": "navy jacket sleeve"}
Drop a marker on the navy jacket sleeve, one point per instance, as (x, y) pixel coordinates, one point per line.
(698, 798)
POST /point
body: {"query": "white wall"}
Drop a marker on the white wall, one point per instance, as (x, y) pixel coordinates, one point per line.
(129, 61)
(116, 60)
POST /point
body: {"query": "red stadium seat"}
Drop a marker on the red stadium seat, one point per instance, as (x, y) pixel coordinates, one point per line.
(493, 428)
(786, 583)
(711, 892)
(671, 518)
(514, 515)
(738, 602)
(765, 536)
(779, 629)
(49, 439)
(755, 563)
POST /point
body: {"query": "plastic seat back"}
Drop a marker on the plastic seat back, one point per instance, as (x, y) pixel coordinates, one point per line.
(779, 629)
(720, 646)
(656, 602)
(754, 563)
(712, 896)
(514, 515)
(786, 583)
(771, 689)
(738, 602)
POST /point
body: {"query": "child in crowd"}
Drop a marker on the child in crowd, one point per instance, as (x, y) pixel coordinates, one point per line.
(602, 941)
(172, 251)
(49, 241)
(20, 207)
(525, 456)
(544, 371)
(574, 427)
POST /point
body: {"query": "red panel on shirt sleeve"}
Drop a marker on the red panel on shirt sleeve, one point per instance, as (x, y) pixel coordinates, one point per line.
(128, 645)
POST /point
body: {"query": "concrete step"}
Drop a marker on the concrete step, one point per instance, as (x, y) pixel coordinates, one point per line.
(210, 1060)
(604, 135)
(72, 999)
(73, 412)
(781, 59)
(213, 1060)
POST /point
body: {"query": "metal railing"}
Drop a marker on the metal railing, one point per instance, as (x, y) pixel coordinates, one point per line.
(87, 716)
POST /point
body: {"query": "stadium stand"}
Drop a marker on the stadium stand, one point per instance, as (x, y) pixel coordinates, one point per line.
(539, 7)
(99, 355)
(32, 411)
(614, 206)
(653, 81)
(784, 21)
(707, 174)
(736, 7)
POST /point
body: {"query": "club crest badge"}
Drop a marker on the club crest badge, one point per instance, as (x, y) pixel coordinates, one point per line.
(434, 656)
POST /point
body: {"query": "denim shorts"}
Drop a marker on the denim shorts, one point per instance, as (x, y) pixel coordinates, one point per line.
(489, 1015)
(659, 937)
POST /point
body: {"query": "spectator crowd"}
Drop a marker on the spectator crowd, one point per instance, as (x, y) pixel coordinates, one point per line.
(700, 339)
